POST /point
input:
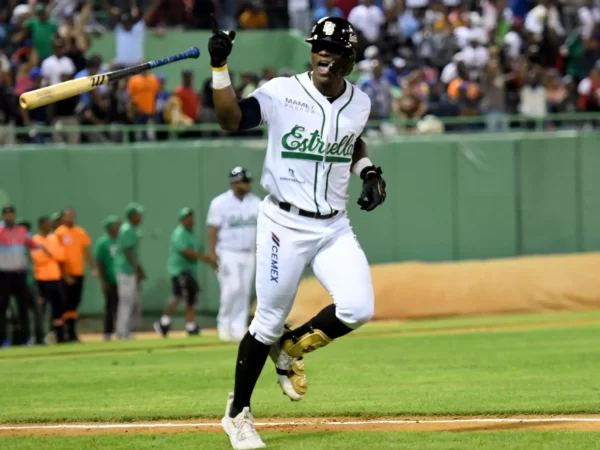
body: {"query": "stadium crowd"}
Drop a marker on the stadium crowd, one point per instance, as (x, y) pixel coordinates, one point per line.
(416, 58)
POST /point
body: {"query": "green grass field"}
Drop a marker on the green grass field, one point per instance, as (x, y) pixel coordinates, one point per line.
(500, 366)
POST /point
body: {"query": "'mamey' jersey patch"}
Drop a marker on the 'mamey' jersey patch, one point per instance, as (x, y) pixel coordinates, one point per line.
(310, 142)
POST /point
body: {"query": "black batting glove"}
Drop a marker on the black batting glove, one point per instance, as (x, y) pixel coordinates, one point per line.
(373, 188)
(220, 45)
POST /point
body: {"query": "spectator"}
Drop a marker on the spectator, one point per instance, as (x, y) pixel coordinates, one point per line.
(368, 19)
(412, 103)
(142, 90)
(514, 41)
(76, 244)
(464, 92)
(38, 117)
(542, 19)
(161, 98)
(247, 85)
(329, 9)
(24, 61)
(130, 33)
(475, 55)
(300, 15)
(42, 30)
(93, 67)
(533, 94)
(493, 102)
(96, 112)
(76, 38)
(589, 18)
(409, 22)
(58, 67)
(190, 104)
(589, 91)
(378, 88)
(268, 74)
(253, 16)
(556, 93)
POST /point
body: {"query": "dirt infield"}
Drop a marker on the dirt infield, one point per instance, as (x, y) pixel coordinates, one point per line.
(331, 424)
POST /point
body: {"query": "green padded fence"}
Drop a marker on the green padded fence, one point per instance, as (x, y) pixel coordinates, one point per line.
(450, 197)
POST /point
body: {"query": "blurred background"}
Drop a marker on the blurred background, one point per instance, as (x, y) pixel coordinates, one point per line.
(483, 117)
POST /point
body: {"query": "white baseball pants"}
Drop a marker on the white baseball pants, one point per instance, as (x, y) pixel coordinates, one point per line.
(236, 270)
(286, 244)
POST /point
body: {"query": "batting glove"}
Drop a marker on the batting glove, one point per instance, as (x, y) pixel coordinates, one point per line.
(373, 188)
(220, 45)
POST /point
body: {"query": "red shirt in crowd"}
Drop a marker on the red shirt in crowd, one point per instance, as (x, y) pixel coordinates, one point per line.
(589, 94)
(189, 101)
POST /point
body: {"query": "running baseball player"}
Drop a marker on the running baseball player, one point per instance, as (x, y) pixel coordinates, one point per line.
(182, 265)
(315, 121)
(232, 240)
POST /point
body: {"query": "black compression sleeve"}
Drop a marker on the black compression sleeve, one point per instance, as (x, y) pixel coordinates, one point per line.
(251, 115)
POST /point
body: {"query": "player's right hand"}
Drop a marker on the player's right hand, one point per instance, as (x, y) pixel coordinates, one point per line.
(220, 45)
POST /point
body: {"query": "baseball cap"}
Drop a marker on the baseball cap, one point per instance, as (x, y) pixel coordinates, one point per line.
(185, 212)
(36, 72)
(55, 216)
(40, 7)
(134, 208)
(8, 209)
(109, 221)
(239, 174)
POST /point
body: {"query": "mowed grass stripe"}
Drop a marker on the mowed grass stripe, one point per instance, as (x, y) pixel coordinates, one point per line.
(550, 371)
(417, 327)
(506, 440)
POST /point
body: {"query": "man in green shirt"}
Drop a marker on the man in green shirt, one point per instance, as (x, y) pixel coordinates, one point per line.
(105, 252)
(128, 269)
(42, 30)
(182, 265)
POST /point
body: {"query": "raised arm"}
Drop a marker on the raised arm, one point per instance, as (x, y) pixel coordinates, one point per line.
(232, 115)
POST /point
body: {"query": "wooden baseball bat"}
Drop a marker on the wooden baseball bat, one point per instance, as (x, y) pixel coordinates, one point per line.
(51, 94)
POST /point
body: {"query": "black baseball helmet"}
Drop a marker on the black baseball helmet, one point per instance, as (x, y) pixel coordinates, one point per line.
(240, 175)
(338, 34)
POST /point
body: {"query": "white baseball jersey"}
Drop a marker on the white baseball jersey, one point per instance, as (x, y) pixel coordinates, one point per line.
(310, 142)
(236, 221)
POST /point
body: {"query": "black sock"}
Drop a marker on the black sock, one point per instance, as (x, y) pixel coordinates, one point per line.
(251, 359)
(326, 321)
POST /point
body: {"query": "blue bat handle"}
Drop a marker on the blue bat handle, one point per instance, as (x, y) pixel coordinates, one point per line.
(191, 53)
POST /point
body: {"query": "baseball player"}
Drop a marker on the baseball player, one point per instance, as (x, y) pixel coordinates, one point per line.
(182, 265)
(105, 251)
(232, 239)
(315, 121)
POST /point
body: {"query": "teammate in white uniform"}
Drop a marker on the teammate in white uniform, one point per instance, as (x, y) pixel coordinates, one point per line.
(315, 120)
(232, 241)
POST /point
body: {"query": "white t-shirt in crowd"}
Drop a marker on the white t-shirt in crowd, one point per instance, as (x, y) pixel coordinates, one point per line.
(130, 44)
(367, 19)
(53, 68)
(513, 43)
(588, 18)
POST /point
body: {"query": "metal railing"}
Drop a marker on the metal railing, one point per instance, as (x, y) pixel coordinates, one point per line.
(126, 133)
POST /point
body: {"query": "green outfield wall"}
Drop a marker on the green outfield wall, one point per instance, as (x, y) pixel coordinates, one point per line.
(253, 51)
(451, 197)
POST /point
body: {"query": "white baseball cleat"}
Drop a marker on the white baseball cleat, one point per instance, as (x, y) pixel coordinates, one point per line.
(241, 431)
(290, 372)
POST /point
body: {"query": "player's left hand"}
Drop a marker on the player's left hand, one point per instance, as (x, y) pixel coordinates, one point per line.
(220, 44)
(373, 189)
